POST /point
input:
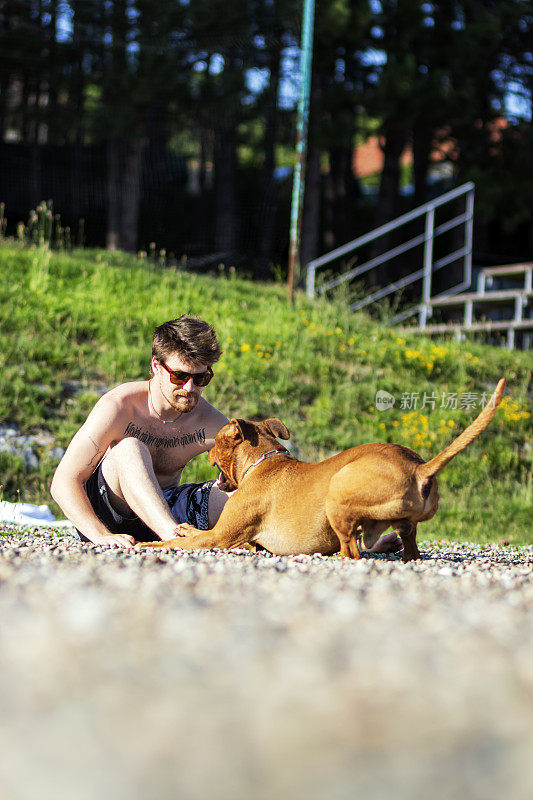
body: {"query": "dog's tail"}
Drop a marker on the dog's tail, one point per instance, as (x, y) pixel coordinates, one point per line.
(433, 467)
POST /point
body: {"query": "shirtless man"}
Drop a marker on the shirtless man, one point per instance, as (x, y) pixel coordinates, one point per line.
(118, 481)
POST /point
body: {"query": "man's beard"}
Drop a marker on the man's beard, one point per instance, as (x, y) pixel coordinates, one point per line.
(184, 403)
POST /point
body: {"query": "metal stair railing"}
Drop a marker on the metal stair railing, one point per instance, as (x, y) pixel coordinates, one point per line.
(428, 267)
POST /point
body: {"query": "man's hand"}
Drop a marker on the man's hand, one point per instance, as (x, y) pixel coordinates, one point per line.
(115, 539)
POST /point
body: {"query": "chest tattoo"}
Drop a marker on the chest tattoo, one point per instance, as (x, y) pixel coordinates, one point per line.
(198, 436)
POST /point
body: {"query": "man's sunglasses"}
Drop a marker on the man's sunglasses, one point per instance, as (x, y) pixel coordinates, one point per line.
(179, 378)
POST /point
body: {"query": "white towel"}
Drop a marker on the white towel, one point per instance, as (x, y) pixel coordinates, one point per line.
(28, 514)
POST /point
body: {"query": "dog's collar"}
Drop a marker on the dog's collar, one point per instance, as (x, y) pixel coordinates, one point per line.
(268, 454)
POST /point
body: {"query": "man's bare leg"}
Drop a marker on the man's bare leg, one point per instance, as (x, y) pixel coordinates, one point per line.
(129, 473)
(388, 543)
(217, 501)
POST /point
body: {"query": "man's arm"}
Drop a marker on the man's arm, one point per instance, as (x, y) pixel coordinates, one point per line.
(217, 497)
(104, 424)
(214, 422)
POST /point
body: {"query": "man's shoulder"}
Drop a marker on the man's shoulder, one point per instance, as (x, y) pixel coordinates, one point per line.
(120, 399)
(210, 420)
(210, 414)
(126, 391)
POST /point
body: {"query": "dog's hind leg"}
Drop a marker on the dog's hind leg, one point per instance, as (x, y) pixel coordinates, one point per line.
(345, 528)
(407, 533)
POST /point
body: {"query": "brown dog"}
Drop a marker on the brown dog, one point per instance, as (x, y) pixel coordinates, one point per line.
(288, 506)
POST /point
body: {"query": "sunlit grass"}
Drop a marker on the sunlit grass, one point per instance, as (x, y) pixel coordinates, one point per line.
(86, 319)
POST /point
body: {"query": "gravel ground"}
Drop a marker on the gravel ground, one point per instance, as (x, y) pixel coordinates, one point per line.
(161, 674)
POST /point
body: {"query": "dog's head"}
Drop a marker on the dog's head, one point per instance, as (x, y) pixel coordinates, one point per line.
(239, 443)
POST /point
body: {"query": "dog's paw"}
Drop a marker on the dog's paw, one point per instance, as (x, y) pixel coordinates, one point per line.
(144, 545)
(184, 529)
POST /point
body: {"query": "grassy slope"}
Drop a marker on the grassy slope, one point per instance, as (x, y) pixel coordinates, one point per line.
(89, 317)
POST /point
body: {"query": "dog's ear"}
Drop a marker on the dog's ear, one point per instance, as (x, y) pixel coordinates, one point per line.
(211, 456)
(276, 427)
(235, 431)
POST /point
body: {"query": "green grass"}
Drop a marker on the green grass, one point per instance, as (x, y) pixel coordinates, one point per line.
(89, 317)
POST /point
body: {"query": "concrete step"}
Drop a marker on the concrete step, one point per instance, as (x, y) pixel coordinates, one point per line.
(508, 269)
(507, 274)
(458, 327)
(497, 296)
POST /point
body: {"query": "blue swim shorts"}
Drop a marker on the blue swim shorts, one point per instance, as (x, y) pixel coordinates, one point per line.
(188, 503)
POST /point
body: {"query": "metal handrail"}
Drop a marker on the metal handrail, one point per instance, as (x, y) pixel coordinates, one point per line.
(427, 238)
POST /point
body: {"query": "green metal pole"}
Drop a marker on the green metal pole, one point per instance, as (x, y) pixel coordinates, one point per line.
(298, 185)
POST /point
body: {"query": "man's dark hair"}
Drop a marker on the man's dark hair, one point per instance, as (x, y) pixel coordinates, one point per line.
(193, 339)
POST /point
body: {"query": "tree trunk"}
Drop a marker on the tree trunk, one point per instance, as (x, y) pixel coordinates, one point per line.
(388, 198)
(32, 137)
(77, 90)
(55, 129)
(329, 208)
(4, 90)
(124, 163)
(340, 190)
(114, 196)
(269, 194)
(311, 211)
(78, 161)
(226, 216)
(389, 186)
(24, 110)
(202, 216)
(421, 160)
(35, 183)
(131, 194)
(76, 182)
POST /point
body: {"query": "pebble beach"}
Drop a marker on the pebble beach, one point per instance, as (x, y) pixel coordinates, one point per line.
(204, 675)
